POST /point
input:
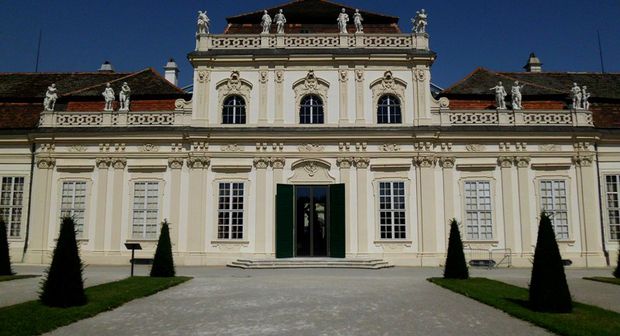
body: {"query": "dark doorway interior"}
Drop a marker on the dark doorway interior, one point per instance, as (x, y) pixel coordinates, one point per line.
(311, 221)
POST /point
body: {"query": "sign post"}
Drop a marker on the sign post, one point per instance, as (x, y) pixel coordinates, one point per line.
(133, 247)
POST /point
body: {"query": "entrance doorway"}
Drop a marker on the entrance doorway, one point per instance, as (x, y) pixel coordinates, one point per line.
(310, 221)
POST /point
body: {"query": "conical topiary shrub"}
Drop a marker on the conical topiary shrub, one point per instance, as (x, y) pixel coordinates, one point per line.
(456, 267)
(617, 270)
(63, 286)
(5, 258)
(163, 264)
(548, 288)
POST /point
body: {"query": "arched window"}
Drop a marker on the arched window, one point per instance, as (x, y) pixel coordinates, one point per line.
(233, 111)
(311, 110)
(388, 110)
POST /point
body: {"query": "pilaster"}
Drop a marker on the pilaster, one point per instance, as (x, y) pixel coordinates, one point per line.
(202, 79)
(175, 166)
(260, 164)
(345, 177)
(277, 165)
(359, 96)
(447, 165)
(428, 198)
(196, 218)
(41, 197)
(279, 96)
(118, 190)
(361, 165)
(263, 79)
(527, 222)
(511, 232)
(103, 165)
(343, 78)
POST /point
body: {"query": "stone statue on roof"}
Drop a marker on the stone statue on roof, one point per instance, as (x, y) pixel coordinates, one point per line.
(343, 19)
(266, 22)
(420, 21)
(575, 93)
(124, 97)
(585, 95)
(108, 96)
(280, 21)
(500, 94)
(203, 22)
(357, 20)
(49, 102)
(515, 93)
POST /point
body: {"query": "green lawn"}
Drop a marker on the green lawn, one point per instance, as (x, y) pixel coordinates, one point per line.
(33, 318)
(584, 320)
(615, 281)
(16, 277)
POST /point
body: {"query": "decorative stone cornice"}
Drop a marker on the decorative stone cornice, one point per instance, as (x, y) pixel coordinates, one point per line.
(261, 162)
(198, 162)
(505, 161)
(278, 162)
(175, 163)
(522, 161)
(46, 163)
(345, 162)
(446, 161)
(103, 163)
(119, 163)
(583, 160)
(362, 162)
(425, 161)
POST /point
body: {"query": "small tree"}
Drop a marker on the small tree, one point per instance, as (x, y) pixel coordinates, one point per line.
(617, 270)
(64, 286)
(456, 267)
(548, 287)
(5, 258)
(163, 264)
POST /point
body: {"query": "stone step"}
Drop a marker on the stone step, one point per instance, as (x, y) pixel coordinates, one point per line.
(310, 263)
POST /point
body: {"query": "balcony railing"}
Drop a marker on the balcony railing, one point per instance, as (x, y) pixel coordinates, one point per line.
(206, 42)
(114, 119)
(576, 118)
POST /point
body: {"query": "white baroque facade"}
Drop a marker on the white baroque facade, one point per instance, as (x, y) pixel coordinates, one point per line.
(319, 144)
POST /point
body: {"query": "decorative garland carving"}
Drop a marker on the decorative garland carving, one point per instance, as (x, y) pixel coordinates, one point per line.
(310, 148)
(231, 148)
(475, 148)
(389, 148)
(148, 148)
(548, 148)
(77, 148)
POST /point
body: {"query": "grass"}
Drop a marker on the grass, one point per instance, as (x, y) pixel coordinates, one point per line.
(615, 281)
(16, 277)
(33, 318)
(584, 320)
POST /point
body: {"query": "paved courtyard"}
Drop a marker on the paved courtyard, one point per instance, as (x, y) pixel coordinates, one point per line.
(223, 301)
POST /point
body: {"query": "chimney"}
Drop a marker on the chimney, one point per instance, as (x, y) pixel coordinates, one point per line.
(533, 64)
(172, 72)
(106, 67)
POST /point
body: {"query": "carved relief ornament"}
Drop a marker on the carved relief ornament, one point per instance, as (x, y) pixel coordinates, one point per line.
(119, 163)
(310, 148)
(103, 163)
(175, 163)
(362, 162)
(388, 84)
(231, 148)
(345, 162)
(311, 84)
(505, 161)
(426, 161)
(261, 162)
(148, 148)
(203, 76)
(46, 163)
(198, 162)
(522, 161)
(389, 148)
(475, 148)
(447, 161)
(583, 160)
(234, 85)
(278, 162)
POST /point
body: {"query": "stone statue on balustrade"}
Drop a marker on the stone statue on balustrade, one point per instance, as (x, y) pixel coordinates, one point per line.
(108, 96)
(420, 21)
(343, 19)
(515, 93)
(280, 21)
(500, 95)
(125, 97)
(49, 102)
(357, 20)
(576, 95)
(585, 95)
(203, 22)
(266, 22)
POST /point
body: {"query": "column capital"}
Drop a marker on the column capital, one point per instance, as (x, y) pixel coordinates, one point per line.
(103, 163)
(506, 161)
(523, 161)
(425, 161)
(119, 163)
(446, 161)
(278, 162)
(261, 162)
(345, 162)
(198, 162)
(46, 163)
(175, 163)
(362, 162)
(582, 160)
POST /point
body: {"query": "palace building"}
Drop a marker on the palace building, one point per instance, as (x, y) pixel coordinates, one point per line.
(311, 142)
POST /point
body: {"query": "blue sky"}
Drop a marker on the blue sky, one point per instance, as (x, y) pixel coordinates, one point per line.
(135, 34)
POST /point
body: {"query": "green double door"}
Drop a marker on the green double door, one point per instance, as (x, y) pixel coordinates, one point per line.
(310, 221)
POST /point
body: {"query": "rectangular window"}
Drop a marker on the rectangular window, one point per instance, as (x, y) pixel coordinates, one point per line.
(613, 206)
(478, 215)
(392, 218)
(11, 204)
(73, 203)
(230, 211)
(145, 210)
(554, 203)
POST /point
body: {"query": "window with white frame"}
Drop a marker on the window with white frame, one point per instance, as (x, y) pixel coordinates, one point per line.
(145, 209)
(612, 183)
(230, 210)
(392, 219)
(73, 203)
(554, 202)
(233, 111)
(388, 110)
(478, 215)
(11, 204)
(311, 110)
